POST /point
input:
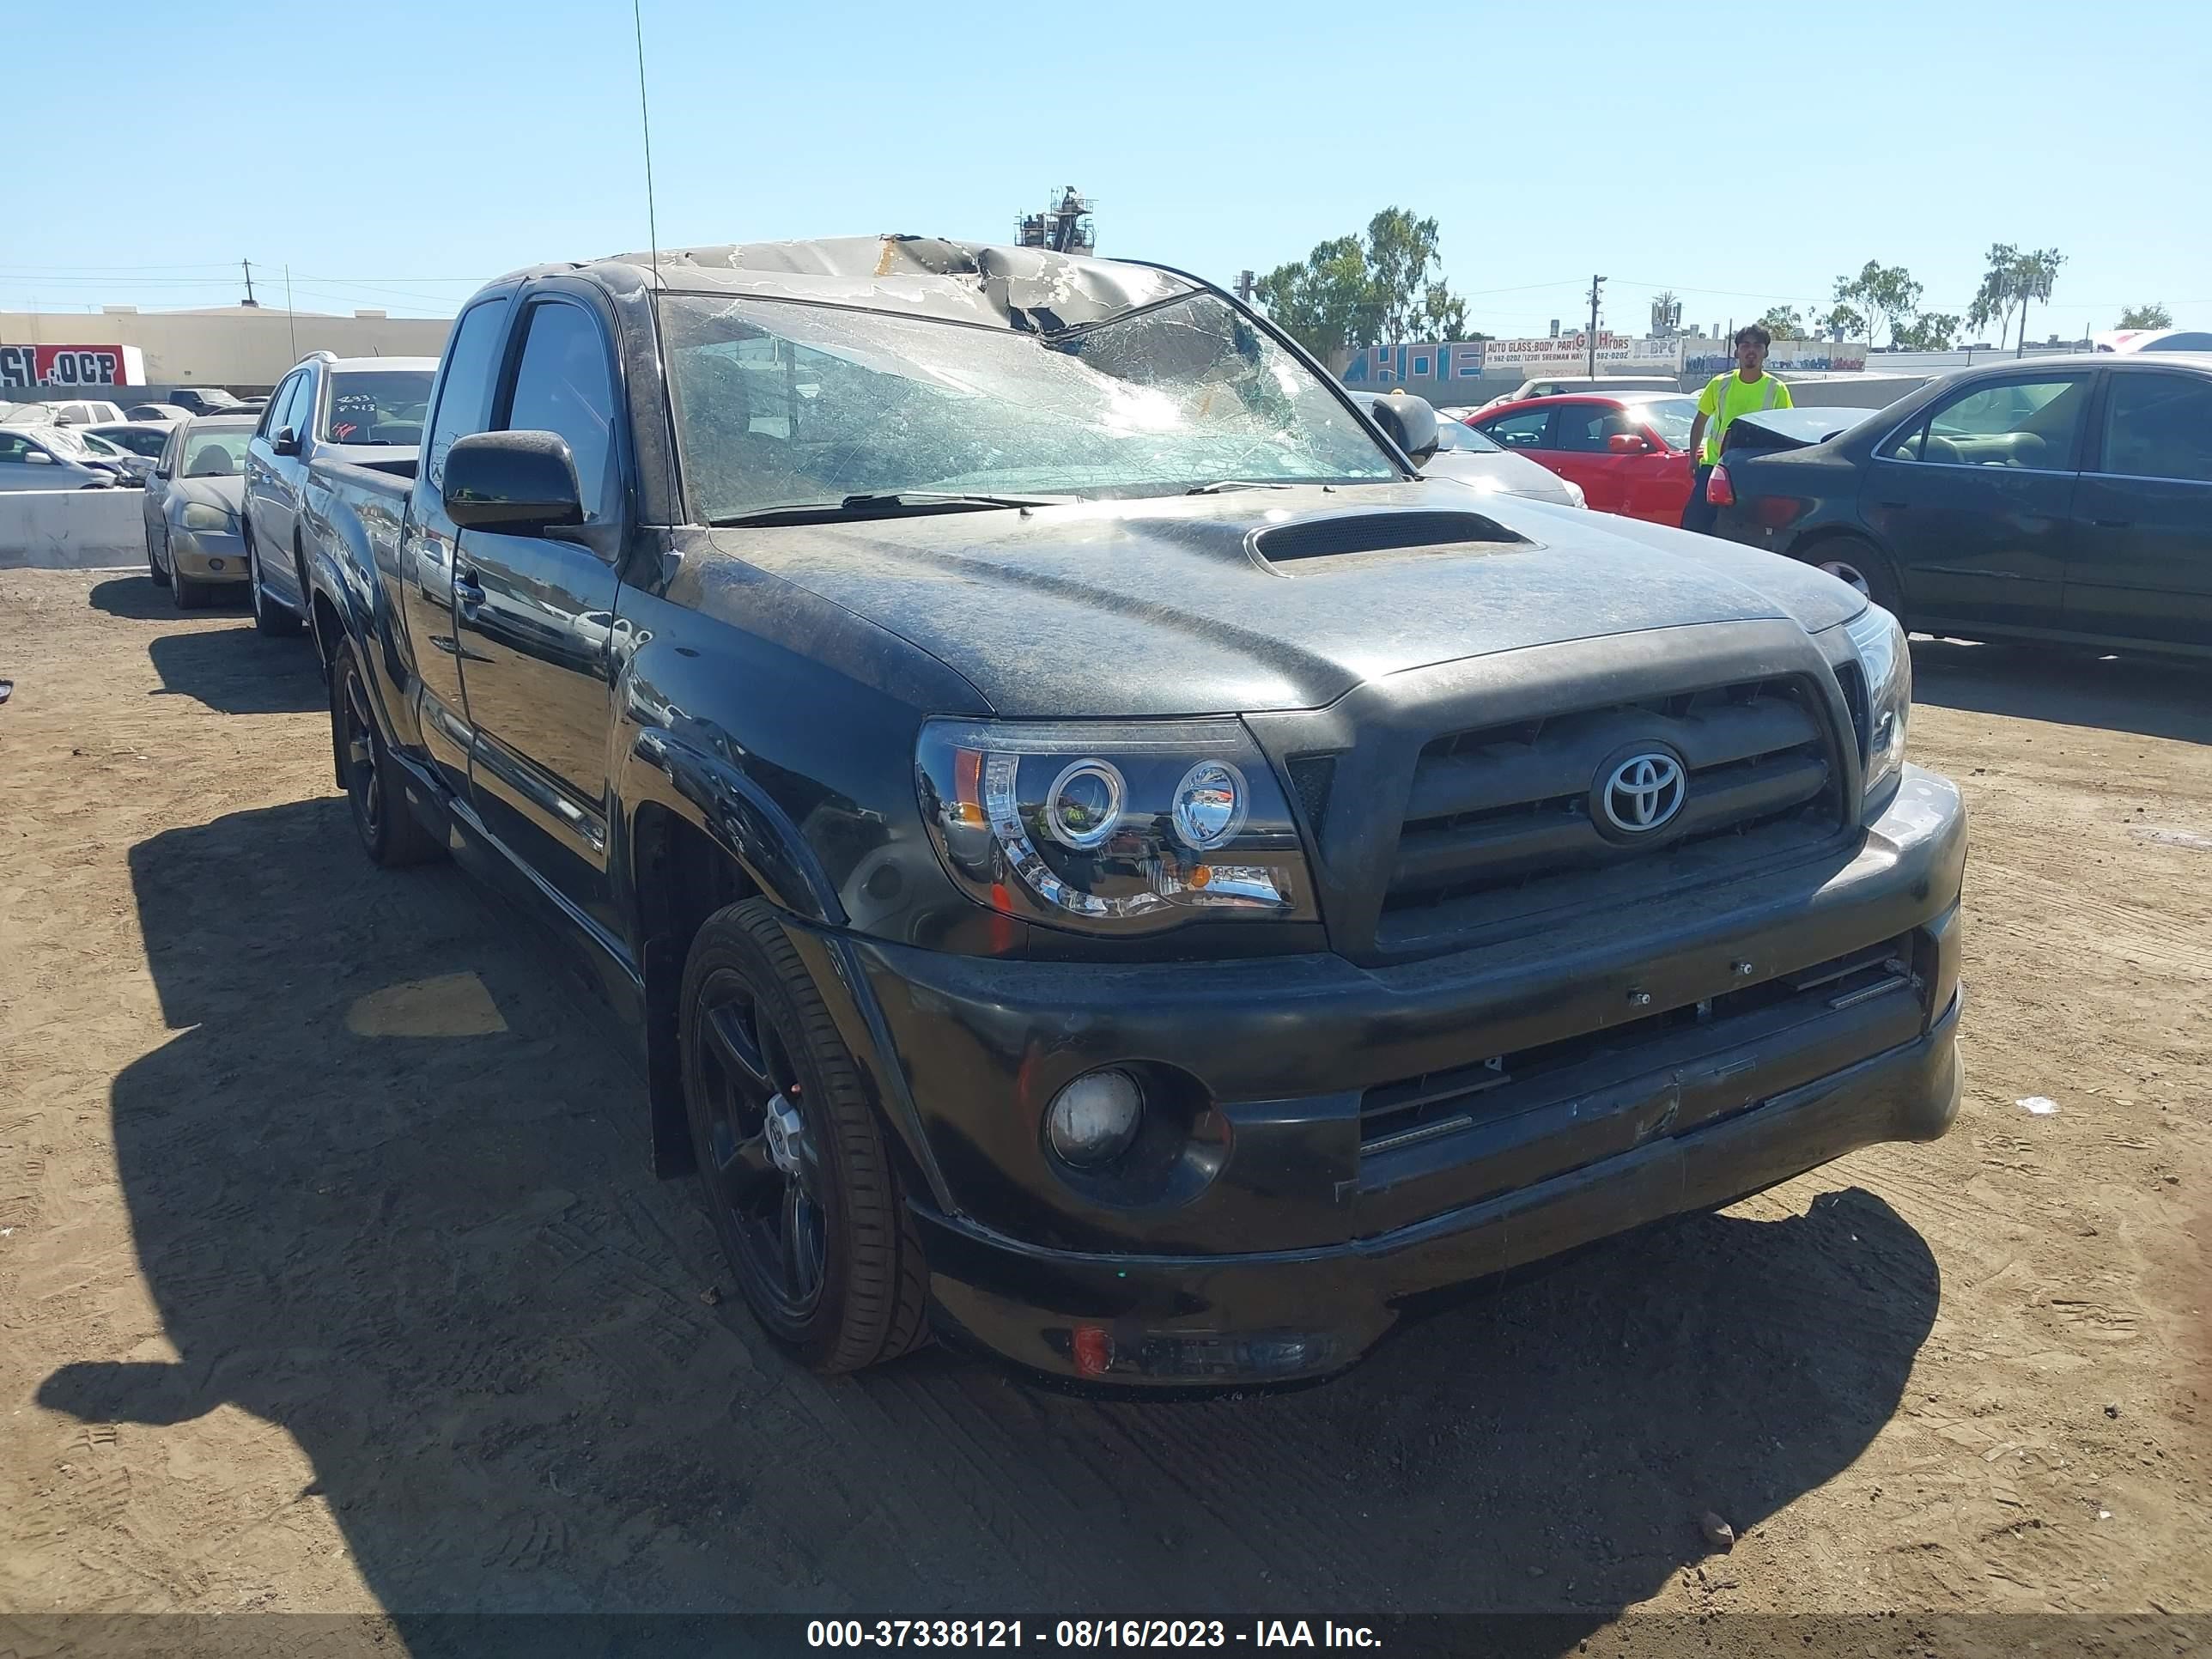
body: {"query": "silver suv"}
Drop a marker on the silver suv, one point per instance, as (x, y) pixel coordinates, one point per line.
(351, 409)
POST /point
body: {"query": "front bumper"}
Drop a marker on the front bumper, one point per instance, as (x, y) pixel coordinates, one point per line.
(1287, 1236)
(208, 556)
(1172, 1322)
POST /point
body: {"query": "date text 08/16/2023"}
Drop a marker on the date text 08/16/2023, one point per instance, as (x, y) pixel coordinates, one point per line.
(1085, 1633)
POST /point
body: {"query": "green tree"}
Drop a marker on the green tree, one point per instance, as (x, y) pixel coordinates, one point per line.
(2153, 315)
(1847, 320)
(1784, 323)
(1931, 330)
(2012, 281)
(1884, 296)
(1327, 303)
(1350, 293)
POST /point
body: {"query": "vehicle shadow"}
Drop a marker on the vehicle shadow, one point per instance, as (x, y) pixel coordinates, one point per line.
(235, 670)
(136, 599)
(409, 1223)
(2150, 696)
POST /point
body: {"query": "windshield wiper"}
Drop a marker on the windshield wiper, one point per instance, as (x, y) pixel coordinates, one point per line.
(1221, 485)
(885, 504)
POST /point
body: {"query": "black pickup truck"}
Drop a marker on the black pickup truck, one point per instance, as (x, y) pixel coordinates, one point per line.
(1103, 862)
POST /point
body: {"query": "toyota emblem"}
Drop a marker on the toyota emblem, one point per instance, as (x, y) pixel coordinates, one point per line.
(1642, 792)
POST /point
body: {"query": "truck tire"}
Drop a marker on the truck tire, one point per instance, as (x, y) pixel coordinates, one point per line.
(807, 1205)
(390, 832)
(270, 618)
(1864, 566)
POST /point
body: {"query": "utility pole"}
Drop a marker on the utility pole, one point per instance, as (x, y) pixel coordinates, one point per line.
(1596, 282)
(1244, 286)
(246, 266)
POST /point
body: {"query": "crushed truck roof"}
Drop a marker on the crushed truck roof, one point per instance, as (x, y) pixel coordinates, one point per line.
(1031, 290)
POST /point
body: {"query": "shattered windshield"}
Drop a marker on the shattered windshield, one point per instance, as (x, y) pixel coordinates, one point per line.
(780, 402)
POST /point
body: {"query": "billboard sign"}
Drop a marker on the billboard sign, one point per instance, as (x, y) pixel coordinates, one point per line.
(63, 368)
(1618, 354)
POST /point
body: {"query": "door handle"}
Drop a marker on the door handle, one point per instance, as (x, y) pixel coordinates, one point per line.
(468, 592)
(1894, 507)
(2114, 524)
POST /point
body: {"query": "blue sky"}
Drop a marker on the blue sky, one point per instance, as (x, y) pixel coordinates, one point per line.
(395, 153)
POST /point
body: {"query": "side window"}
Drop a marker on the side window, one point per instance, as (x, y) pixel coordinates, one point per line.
(464, 394)
(563, 385)
(1905, 445)
(301, 416)
(2026, 423)
(1586, 427)
(13, 446)
(288, 410)
(273, 408)
(2158, 426)
(1527, 430)
(166, 466)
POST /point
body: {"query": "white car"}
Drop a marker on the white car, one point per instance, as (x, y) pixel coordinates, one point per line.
(137, 444)
(49, 457)
(1552, 386)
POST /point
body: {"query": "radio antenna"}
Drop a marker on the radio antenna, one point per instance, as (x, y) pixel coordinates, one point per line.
(645, 123)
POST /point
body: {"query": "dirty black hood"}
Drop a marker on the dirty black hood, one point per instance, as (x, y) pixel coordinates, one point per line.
(1159, 607)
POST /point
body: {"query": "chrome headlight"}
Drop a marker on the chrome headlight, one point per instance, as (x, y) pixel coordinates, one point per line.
(1113, 827)
(197, 515)
(1886, 665)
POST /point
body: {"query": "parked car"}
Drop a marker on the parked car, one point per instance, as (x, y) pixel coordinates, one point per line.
(81, 412)
(1466, 457)
(1102, 861)
(49, 457)
(362, 408)
(1551, 385)
(194, 501)
(2064, 498)
(2153, 340)
(204, 401)
(1628, 452)
(137, 444)
(159, 412)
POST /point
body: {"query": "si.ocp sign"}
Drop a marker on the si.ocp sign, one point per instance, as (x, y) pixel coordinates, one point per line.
(70, 366)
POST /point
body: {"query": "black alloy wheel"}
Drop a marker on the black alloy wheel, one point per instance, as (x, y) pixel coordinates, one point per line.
(794, 1168)
(756, 1151)
(390, 833)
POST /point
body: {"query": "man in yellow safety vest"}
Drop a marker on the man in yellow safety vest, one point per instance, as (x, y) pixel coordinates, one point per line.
(1745, 389)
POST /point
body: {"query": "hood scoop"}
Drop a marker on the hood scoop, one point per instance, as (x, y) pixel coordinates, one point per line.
(1339, 535)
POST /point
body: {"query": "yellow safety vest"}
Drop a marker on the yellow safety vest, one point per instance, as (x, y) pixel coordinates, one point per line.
(1763, 394)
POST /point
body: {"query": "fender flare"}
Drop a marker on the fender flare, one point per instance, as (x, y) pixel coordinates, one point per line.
(715, 796)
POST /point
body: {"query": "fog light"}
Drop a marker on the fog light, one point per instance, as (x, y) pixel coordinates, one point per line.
(215, 564)
(1092, 1120)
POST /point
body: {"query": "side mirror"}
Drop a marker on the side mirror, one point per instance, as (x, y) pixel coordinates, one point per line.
(1628, 443)
(520, 483)
(38, 458)
(286, 442)
(1412, 424)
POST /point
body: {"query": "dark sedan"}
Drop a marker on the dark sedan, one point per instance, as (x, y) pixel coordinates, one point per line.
(2062, 498)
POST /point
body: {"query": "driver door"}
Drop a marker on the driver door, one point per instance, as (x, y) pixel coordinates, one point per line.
(1975, 498)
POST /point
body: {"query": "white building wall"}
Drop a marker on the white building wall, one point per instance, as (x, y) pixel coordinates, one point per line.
(239, 347)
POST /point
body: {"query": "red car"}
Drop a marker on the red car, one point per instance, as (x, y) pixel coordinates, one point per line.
(1627, 449)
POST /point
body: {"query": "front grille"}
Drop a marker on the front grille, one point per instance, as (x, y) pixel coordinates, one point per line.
(1499, 824)
(1415, 1109)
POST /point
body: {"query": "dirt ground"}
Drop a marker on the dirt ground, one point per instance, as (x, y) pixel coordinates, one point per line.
(332, 1279)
